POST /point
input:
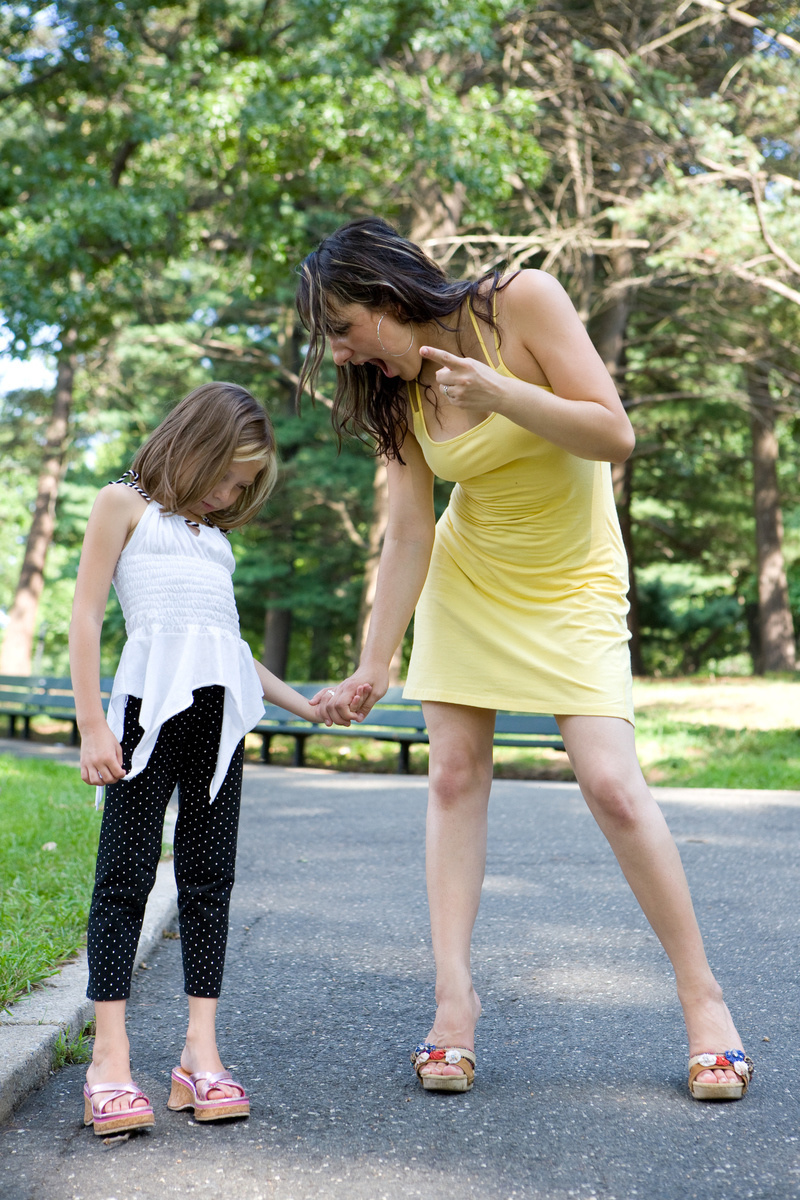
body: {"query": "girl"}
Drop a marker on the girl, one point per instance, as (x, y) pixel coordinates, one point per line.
(520, 590)
(186, 691)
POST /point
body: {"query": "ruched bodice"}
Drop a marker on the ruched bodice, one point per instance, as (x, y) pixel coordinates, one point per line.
(169, 578)
(176, 592)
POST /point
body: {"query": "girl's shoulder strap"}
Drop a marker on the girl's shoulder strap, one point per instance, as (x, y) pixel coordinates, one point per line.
(133, 482)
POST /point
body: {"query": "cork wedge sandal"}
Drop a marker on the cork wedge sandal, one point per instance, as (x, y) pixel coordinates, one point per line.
(191, 1091)
(453, 1056)
(734, 1060)
(119, 1120)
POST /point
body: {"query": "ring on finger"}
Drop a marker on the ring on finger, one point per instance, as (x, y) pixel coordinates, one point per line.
(446, 390)
(331, 691)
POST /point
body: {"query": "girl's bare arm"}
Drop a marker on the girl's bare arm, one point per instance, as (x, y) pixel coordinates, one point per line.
(114, 516)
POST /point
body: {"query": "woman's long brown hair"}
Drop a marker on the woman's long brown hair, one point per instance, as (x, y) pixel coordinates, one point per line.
(367, 262)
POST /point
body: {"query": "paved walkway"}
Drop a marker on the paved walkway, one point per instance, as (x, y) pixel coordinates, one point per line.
(581, 1088)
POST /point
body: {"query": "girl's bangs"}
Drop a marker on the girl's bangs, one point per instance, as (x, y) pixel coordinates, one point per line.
(252, 452)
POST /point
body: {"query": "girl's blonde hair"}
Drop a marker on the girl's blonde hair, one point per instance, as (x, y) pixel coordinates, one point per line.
(192, 449)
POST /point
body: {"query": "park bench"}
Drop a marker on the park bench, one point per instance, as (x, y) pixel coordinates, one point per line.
(23, 697)
(394, 719)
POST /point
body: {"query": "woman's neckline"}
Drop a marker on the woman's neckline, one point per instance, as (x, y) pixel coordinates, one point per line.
(456, 436)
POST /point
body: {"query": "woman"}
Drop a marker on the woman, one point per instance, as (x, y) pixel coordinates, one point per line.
(519, 591)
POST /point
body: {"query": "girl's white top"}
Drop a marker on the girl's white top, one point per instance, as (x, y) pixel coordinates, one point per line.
(176, 592)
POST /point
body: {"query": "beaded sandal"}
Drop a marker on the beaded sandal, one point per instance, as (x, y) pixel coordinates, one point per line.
(733, 1060)
(120, 1120)
(453, 1056)
(191, 1091)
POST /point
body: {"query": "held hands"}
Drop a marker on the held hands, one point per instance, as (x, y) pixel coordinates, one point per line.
(350, 701)
(101, 756)
(466, 383)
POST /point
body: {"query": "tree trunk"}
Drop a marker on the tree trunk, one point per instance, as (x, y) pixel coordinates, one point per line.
(277, 630)
(608, 329)
(377, 528)
(17, 648)
(622, 475)
(776, 630)
(320, 652)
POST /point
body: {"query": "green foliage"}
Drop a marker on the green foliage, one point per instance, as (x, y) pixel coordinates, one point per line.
(69, 1051)
(689, 621)
(165, 166)
(48, 843)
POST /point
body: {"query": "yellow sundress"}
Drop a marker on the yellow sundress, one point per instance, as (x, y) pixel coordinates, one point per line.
(524, 605)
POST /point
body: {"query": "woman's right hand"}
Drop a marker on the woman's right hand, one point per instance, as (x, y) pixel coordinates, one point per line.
(353, 698)
(101, 756)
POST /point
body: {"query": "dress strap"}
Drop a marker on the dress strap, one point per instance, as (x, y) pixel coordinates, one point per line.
(133, 482)
(478, 333)
(413, 397)
(477, 328)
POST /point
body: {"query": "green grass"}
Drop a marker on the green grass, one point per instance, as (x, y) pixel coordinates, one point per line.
(675, 754)
(44, 894)
(67, 1052)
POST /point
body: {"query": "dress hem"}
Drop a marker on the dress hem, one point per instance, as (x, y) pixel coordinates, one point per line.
(441, 696)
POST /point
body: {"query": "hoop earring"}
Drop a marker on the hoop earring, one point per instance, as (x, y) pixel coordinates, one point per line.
(383, 348)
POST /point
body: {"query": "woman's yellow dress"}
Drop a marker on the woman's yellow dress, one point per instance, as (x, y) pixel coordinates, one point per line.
(525, 602)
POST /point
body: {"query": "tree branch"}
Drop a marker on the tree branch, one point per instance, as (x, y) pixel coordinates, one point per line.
(765, 281)
(243, 354)
(777, 250)
(339, 506)
(675, 33)
(735, 13)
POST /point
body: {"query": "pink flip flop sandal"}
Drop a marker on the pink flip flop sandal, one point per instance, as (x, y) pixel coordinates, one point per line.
(191, 1091)
(119, 1121)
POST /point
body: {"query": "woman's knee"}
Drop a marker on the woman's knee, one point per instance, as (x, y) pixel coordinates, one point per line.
(621, 798)
(457, 777)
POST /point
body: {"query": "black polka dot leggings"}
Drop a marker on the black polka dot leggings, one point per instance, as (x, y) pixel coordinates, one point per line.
(130, 846)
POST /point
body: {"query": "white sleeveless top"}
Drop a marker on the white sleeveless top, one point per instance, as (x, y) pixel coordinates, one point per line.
(176, 592)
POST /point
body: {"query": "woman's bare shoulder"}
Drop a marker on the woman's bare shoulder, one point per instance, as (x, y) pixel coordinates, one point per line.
(533, 287)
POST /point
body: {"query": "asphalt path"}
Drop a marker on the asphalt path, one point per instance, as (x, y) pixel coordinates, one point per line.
(581, 1084)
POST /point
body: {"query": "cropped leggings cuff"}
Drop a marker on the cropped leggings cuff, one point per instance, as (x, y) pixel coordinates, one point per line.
(185, 757)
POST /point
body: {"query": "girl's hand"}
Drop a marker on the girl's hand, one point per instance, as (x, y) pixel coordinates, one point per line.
(101, 756)
(350, 701)
(466, 383)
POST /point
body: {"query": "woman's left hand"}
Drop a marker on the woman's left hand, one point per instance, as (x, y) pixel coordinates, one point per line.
(466, 383)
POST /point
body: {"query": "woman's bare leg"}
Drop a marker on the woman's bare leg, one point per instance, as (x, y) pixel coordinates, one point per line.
(603, 755)
(460, 774)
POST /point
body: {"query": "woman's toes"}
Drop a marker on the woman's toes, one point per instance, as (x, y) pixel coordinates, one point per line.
(718, 1076)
